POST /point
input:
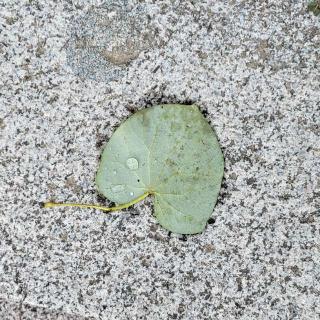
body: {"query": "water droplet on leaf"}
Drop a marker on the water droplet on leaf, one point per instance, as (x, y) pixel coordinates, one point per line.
(132, 164)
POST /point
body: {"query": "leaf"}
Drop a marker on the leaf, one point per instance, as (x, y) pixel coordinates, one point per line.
(171, 152)
(314, 6)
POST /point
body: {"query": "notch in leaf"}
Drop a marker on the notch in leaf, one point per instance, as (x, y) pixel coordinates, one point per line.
(170, 152)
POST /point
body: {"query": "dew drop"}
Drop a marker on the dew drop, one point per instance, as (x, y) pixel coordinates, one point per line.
(131, 193)
(117, 188)
(114, 172)
(132, 164)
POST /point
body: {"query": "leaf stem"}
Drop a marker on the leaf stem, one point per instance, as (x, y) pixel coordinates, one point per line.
(94, 206)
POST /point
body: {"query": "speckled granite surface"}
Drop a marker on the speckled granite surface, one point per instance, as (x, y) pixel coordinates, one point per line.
(253, 68)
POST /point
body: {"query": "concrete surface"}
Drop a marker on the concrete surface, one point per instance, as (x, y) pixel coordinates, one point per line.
(252, 67)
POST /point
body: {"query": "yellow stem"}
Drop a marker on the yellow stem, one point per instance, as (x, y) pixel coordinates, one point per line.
(93, 206)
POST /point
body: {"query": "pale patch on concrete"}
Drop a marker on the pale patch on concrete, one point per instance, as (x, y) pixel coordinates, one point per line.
(105, 39)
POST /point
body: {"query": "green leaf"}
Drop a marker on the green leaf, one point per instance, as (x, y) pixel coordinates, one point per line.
(314, 6)
(171, 152)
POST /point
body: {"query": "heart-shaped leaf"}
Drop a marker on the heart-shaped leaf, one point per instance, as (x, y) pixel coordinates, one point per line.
(171, 152)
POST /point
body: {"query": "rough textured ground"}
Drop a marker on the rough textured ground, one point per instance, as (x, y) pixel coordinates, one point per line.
(253, 68)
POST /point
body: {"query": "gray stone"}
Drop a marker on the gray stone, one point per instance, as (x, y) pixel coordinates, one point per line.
(253, 69)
